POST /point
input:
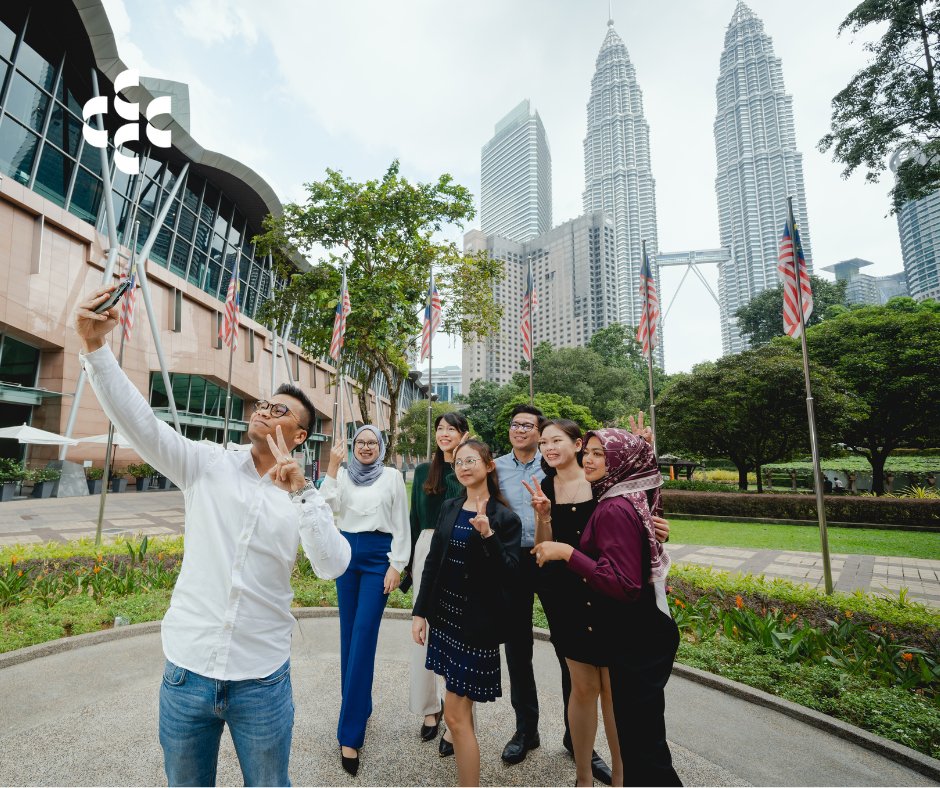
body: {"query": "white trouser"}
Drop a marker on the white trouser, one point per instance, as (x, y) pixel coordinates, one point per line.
(425, 696)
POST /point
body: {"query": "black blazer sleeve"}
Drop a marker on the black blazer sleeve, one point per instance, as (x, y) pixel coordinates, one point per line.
(500, 552)
(428, 580)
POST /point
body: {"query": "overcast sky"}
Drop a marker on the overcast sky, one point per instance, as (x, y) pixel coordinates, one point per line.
(291, 88)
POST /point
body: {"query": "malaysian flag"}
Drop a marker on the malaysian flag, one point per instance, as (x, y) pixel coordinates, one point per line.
(228, 331)
(339, 321)
(646, 333)
(432, 319)
(129, 300)
(529, 302)
(785, 270)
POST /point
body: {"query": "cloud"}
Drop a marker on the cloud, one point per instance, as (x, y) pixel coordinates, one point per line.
(217, 21)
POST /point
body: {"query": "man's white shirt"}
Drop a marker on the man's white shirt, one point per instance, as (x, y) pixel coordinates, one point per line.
(229, 616)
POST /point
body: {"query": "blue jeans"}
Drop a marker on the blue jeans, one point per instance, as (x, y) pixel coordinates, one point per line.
(360, 591)
(194, 710)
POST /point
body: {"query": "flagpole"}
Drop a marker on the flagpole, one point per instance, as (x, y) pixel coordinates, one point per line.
(106, 476)
(649, 355)
(231, 357)
(810, 410)
(531, 286)
(430, 320)
(337, 406)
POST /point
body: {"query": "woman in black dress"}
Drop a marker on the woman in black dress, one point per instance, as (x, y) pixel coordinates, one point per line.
(474, 553)
(579, 617)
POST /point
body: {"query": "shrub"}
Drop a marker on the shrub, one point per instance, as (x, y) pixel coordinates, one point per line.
(94, 474)
(841, 508)
(12, 471)
(141, 470)
(38, 475)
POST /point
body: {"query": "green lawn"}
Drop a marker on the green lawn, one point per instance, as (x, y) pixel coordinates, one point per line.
(914, 544)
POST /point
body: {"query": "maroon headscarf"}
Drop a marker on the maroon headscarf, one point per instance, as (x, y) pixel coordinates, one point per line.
(632, 473)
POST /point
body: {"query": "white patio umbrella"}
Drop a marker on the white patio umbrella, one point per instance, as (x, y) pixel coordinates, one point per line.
(34, 437)
(118, 440)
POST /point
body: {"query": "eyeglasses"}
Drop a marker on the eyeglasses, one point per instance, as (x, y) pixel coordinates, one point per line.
(469, 462)
(367, 444)
(276, 409)
(519, 426)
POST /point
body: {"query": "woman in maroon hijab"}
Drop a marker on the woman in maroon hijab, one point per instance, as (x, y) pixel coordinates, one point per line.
(620, 557)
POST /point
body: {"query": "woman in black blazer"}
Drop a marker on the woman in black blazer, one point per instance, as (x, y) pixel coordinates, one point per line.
(474, 554)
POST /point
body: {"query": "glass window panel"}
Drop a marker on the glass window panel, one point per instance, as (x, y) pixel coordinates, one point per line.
(53, 175)
(249, 301)
(27, 102)
(161, 247)
(91, 158)
(3, 70)
(197, 268)
(17, 150)
(86, 196)
(192, 192)
(202, 237)
(151, 166)
(215, 274)
(244, 267)
(148, 197)
(215, 400)
(121, 182)
(171, 214)
(238, 409)
(7, 38)
(170, 173)
(187, 224)
(35, 66)
(197, 394)
(19, 362)
(180, 384)
(158, 397)
(180, 257)
(146, 222)
(221, 226)
(65, 131)
(218, 246)
(210, 202)
(71, 87)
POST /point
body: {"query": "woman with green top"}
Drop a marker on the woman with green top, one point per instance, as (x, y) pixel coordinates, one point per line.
(434, 482)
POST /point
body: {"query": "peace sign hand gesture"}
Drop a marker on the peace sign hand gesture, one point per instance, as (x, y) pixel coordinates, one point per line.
(540, 502)
(480, 521)
(637, 428)
(286, 473)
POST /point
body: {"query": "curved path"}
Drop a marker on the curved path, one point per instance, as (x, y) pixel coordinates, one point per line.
(88, 716)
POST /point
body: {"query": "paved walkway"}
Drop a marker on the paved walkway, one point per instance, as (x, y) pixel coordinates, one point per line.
(89, 717)
(160, 513)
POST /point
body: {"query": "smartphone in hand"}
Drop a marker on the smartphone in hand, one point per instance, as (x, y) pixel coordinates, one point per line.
(115, 296)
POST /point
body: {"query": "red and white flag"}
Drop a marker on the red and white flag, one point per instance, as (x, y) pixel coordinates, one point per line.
(646, 333)
(790, 248)
(529, 302)
(343, 308)
(228, 331)
(129, 300)
(432, 319)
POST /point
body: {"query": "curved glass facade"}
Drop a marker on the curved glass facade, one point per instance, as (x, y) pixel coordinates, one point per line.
(205, 236)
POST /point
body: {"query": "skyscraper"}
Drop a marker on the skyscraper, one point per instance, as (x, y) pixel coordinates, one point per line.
(919, 228)
(617, 174)
(758, 168)
(516, 178)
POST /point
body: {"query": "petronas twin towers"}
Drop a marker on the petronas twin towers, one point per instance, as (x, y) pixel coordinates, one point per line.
(758, 168)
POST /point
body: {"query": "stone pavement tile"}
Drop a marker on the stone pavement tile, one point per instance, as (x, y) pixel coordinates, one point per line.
(126, 522)
(727, 551)
(711, 560)
(20, 539)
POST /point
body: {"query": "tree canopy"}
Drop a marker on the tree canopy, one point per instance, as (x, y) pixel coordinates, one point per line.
(761, 319)
(751, 408)
(894, 102)
(386, 232)
(888, 356)
(553, 406)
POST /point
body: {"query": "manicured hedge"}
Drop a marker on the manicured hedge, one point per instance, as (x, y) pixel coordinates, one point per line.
(840, 509)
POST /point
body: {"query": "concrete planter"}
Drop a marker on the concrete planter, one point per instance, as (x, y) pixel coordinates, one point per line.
(118, 485)
(163, 483)
(43, 489)
(94, 486)
(143, 484)
(8, 491)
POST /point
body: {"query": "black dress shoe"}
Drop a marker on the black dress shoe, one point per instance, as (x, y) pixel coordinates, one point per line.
(350, 765)
(515, 751)
(445, 748)
(599, 767)
(429, 732)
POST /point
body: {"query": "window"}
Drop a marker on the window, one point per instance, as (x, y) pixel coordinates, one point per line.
(86, 195)
(176, 322)
(19, 363)
(27, 103)
(53, 175)
(218, 331)
(17, 150)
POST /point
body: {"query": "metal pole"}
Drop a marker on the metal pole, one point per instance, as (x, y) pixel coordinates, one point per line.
(810, 411)
(531, 285)
(649, 358)
(273, 327)
(145, 290)
(106, 476)
(430, 366)
(287, 329)
(113, 250)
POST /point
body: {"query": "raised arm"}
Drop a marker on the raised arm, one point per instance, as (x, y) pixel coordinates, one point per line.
(400, 554)
(325, 546)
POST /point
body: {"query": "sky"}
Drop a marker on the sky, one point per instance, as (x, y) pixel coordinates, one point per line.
(291, 88)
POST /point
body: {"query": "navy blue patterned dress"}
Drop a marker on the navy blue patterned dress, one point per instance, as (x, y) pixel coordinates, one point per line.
(469, 671)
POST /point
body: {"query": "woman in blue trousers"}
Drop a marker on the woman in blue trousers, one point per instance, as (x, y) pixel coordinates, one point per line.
(371, 509)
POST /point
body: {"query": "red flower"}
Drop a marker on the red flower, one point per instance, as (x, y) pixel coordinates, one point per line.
(739, 602)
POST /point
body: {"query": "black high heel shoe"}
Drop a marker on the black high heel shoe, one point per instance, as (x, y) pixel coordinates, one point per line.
(445, 748)
(429, 732)
(350, 765)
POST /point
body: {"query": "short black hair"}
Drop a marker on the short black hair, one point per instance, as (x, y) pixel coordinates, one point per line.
(297, 393)
(532, 410)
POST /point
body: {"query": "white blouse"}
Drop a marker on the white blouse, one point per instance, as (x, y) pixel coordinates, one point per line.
(380, 506)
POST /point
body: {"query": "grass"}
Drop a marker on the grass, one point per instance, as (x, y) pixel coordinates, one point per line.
(912, 544)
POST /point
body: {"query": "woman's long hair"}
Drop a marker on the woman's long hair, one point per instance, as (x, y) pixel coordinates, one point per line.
(492, 478)
(434, 484)
(573, 431)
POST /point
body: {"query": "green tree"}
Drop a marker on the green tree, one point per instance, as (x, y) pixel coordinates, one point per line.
(386, 231)
(894, 102)
(413, 427)
(553, 406)
(751, 408)
(482, 405)
(888, 356)
(761, 319)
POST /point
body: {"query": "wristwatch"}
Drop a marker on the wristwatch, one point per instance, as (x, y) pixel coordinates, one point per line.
(300, 494)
